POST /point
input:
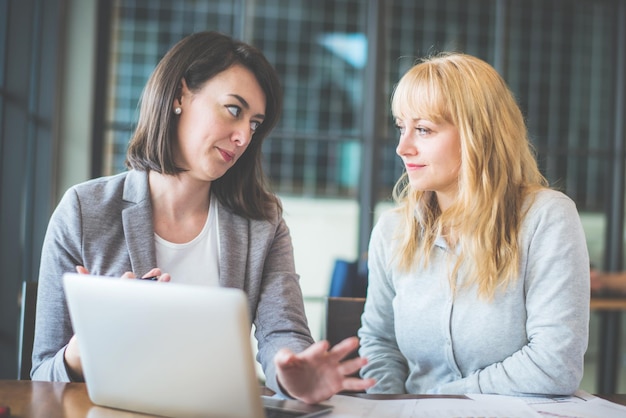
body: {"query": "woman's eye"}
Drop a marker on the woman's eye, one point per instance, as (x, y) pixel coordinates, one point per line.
(422, 131)
(400, 129)
(234, 110)
(254, 125)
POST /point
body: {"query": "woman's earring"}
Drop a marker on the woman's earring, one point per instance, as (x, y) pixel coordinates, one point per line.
(178, 110)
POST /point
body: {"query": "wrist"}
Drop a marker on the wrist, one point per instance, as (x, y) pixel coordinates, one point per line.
(73, 365)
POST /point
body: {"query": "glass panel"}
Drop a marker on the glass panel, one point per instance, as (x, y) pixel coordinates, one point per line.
(319, 50)
(560, 64)
(560, 70)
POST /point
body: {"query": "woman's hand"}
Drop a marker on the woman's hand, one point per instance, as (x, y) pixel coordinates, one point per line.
(72, 353)
(318, 373)
(155, 272)
(72, 360)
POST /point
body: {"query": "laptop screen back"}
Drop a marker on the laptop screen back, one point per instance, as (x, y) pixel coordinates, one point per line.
(164, 348)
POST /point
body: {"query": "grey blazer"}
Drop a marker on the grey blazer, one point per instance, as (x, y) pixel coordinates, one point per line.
(105, 224)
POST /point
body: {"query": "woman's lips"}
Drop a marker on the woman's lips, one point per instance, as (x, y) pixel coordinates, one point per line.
(411, 166)
(227, 155)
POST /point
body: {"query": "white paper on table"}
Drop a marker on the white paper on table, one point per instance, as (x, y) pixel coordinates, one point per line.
(352, 407)
(580, 405)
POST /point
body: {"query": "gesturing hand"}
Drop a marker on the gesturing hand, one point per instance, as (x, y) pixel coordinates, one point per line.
(318, 373)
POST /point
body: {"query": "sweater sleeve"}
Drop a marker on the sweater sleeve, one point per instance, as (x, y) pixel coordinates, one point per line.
(555, 270)
(386, 363)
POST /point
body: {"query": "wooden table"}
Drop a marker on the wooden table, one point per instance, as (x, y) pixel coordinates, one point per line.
(53, 400)
(607, 304)
(70, 400)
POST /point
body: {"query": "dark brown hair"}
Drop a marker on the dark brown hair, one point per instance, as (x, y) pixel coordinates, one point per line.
(198, 58)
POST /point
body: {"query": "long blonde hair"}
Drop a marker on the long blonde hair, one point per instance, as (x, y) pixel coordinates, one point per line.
(498, 169)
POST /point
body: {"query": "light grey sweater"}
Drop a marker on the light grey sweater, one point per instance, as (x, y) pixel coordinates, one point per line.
(106, 225)
(530, 339)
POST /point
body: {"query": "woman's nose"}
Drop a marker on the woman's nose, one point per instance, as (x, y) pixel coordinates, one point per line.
(405, 145)
(242, 135)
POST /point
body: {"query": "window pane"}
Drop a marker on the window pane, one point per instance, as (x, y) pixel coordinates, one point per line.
(319, 50)
(559, 64)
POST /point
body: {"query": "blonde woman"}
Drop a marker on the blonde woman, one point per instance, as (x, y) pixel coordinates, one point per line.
(479, 278)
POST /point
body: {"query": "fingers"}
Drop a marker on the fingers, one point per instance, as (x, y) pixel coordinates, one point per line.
(320, 347)
(81, 270)
(155, 272)
(318, 372)
(285, 358)
(283, 355)
(320, 351)
(355, 384)
(347, 367)
(344, 347)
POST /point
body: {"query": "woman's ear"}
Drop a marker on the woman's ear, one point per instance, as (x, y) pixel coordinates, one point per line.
(181, 91)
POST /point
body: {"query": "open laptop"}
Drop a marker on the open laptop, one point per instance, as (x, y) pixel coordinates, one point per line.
(170, 349)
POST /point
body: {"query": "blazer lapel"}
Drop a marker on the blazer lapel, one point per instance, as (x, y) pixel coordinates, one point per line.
(234, 236)
(137, 222)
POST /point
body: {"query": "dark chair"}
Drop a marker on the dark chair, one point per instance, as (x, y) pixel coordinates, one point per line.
(343, 318)
(349, 279)
(27, 330)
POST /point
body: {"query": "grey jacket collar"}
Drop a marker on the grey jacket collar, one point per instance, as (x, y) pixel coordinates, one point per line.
(233, 233)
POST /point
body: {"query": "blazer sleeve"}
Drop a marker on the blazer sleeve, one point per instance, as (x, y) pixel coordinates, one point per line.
(61, 252)
(280, 320)
(85, 229)
(257, 257)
